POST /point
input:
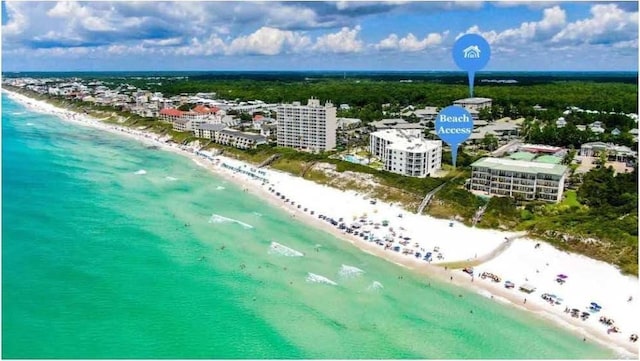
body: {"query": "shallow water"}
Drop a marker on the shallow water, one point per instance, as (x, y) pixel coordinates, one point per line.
(102, 260)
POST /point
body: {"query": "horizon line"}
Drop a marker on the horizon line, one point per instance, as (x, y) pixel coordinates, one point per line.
(325, 71)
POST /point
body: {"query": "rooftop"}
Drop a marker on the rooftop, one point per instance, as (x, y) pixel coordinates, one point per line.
(214, 127)
(520, 166)
(473, 100)
(407, 140)
(522, 156)
(251, 136)
(395, 123)
(549, 159)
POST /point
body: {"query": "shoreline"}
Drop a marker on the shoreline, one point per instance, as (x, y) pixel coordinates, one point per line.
(617, 342)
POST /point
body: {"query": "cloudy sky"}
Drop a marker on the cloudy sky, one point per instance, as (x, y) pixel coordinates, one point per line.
(342, 35)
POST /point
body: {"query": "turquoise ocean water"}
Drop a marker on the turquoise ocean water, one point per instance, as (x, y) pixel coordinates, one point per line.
(97, 263)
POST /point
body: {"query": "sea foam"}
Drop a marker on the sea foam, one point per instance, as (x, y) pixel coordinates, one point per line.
(171, 178)
(375, 286)
(216, 218)
(314, 278)
(277, 248)
(349, 271)
(141, 172)
(219, 188)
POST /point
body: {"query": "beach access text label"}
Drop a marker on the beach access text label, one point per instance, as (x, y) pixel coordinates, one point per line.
(454, 125)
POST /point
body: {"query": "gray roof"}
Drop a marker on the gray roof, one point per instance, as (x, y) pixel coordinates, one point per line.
(520, 166)
(250, 136)
(472, 100)
(210, 126)
(396, 124)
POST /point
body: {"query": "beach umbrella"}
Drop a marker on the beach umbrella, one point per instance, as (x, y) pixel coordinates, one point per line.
(595, 305)
(563, 276)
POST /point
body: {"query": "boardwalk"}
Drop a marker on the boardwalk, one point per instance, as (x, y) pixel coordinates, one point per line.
(487, 257)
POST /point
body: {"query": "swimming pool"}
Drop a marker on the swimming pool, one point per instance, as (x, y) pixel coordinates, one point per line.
(355, 159)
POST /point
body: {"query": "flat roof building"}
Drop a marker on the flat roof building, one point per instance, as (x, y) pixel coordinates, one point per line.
(406, 152)
(473, 103)
(619, 153)
(239, 139)
(309, 127)
(519, 179)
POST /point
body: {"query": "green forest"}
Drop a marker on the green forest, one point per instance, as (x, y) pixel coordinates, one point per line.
(618, 97)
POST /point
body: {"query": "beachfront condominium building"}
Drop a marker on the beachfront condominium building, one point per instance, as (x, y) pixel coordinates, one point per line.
(473, 103)
(519, 179)
(406, 152)
(309, 127)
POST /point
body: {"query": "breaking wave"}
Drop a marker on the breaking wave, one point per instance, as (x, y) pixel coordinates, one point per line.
(375, 286)
(314, 278)
(219, 188)
(170, 178)
(350, 271)
(216, 218)
(141, 172)
(277, 248)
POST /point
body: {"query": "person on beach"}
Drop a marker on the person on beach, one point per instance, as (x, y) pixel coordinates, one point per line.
(525, 301)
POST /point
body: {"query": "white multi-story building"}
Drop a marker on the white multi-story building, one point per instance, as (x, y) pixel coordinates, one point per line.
(406, 152)
(309, 127)
(517, 178)
(473, 103)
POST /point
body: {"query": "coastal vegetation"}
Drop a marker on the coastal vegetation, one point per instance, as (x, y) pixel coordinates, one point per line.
(599, 218)
(366, 97)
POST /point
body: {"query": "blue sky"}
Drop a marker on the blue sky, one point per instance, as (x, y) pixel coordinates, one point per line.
(331, 35)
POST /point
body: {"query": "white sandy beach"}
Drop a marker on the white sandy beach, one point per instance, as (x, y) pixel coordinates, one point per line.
(521, 262)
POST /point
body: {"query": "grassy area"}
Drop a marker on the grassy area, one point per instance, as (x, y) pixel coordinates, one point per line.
(501, 212)
(570, 199)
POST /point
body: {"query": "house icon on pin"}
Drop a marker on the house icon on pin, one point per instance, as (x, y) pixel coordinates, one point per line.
(472, 52)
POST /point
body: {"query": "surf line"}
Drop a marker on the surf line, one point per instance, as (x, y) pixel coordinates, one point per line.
(216, 218)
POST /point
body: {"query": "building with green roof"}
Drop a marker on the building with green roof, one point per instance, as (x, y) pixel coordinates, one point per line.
(518, 178)
(549, 159)
(522, 156)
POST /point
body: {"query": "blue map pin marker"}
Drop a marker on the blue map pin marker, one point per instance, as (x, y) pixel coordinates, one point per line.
(471, 52)
(454, 125)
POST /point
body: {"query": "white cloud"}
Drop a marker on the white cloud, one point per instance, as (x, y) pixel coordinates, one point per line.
(63, 9)
(213, 45)
(17, 20)
(388, 43)
(553, 20)
(93, 23)
(268, 41)
(344, 41)
(163, 42)
(529, 4)
(608, 24)
(410, 42)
